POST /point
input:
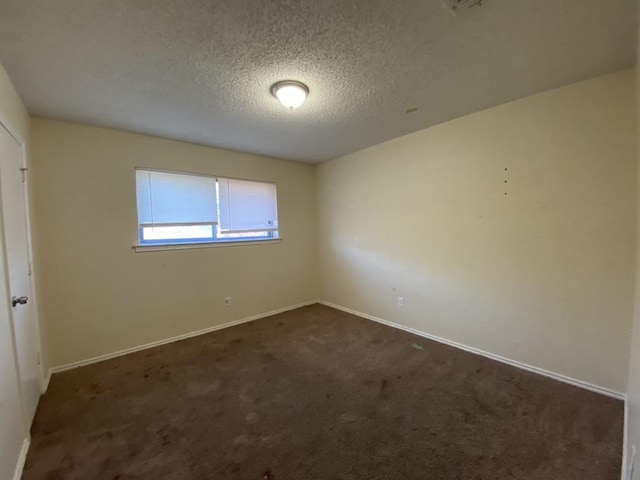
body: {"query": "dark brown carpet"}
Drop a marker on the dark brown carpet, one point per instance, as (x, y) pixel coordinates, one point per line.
(319, 394)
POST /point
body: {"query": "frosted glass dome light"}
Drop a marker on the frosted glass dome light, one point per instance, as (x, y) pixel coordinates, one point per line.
(290, 93)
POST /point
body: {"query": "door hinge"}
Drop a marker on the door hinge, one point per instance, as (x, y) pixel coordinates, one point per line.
(23, 170)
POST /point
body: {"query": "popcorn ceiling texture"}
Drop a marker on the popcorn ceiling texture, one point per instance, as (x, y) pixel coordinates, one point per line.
(200, 70)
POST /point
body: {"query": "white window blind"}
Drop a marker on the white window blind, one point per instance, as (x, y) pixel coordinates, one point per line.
(247, 206)
(175, 199)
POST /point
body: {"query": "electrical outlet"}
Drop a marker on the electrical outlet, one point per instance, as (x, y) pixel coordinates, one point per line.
(227, 301)
(401, 301)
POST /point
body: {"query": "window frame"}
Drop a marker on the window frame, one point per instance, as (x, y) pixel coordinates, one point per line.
(272, 235)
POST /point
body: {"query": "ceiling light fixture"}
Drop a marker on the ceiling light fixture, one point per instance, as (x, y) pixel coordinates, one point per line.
(291, 94)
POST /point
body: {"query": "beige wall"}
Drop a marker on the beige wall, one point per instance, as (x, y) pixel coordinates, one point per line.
(98, 296)
(543, 275)
(12, 427)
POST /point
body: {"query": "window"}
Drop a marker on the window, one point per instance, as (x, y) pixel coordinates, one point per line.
(179, 208)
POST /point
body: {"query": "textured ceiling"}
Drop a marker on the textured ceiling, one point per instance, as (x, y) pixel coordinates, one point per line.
(200, 70)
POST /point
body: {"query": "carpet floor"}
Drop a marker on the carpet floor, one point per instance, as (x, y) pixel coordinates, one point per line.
(316, 393)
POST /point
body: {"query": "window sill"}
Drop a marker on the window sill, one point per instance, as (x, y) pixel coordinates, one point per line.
(190, 246)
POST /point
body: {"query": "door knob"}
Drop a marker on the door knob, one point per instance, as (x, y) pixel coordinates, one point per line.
(18, 301)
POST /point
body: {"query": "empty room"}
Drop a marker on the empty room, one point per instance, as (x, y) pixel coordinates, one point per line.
(298, 240)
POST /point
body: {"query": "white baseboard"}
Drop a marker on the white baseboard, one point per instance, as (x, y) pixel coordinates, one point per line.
(100, 358)
(17, 475)
(492, 356)
(556, 376)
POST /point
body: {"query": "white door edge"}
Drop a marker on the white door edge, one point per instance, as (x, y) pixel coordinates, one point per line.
(19, 139)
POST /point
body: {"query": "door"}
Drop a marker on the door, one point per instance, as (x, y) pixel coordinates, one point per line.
(25, 329)
(12, 429)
